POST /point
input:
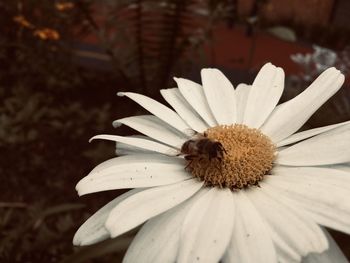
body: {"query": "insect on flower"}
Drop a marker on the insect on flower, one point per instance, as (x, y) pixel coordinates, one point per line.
(202, 147)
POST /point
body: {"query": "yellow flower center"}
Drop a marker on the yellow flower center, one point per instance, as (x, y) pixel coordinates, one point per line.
(247, 157)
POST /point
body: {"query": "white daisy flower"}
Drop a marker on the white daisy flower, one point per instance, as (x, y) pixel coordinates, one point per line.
(247, 188)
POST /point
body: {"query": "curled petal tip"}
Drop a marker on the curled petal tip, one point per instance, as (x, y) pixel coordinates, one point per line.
(121, 94)
(79, 188)
(100, 136)
(76, 242)
(116, 124)
(92, 138)
(80, 192)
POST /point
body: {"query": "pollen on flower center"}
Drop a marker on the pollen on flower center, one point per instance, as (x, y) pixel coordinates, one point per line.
(248, 156)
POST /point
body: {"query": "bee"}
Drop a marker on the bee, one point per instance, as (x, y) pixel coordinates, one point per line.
(202, 147)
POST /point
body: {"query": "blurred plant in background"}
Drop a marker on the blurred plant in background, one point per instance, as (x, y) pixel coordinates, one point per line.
(322, 58)
(45, 122)
(311, 65)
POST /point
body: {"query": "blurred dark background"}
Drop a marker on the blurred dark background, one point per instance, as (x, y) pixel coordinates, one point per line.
(62, 63)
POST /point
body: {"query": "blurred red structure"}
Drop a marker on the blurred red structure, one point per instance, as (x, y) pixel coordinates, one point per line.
(232, 47)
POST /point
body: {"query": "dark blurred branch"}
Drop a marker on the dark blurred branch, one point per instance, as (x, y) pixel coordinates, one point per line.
(140, 55)
(13, 205)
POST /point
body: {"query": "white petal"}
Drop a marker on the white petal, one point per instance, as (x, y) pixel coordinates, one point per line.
(144, 172)
(207, 228)
(331, 255)
(93, 230)
(125, 149)
(320, 191)
(241, 92)
(331, 175)
(251, 240)
(342, 167)
(186, 112)
(309, 133)
(148, 157)
(140, 207)
(264, 95)
(154, 128)
(220, 95)
(158, 240)
(162, 112)
(288, 117)
(139, 142)
(194, 94)
(289, 227)
(330, 147)
(284, 256)
(316, 233)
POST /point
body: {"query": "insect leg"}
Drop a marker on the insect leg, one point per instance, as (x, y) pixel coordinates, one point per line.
(222, 149)
(190, 159)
